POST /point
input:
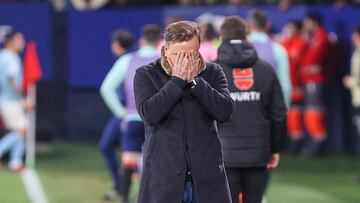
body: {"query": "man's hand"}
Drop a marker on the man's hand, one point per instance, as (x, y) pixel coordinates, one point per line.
(274, 162)
(29, 105)
(186, 65)
(346, 80)
(179, 66)
(15, 85)
(193, 65)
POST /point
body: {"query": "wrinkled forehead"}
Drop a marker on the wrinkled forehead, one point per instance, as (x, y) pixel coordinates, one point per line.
(187, 46)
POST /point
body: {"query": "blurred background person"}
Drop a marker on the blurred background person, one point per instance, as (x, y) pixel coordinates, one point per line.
(132, 125)
(269, 50)
(313, 78)
(208, 48)
(12, 102)
(352, 81)
(122, 40)
(252, 139)
(295, 45)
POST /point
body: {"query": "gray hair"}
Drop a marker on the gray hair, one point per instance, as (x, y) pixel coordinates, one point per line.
(181, 31)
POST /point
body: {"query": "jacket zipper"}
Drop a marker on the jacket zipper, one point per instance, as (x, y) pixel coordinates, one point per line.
(187, 154)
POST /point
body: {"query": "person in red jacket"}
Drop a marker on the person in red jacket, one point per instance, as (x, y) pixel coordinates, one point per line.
(312, 77)
(295, 45)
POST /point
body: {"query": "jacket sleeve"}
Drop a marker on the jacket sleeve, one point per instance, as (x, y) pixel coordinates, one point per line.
(112, 81)
(151, 104)
(283, 72)
(278, 114)
(215, 99)
(353, 83)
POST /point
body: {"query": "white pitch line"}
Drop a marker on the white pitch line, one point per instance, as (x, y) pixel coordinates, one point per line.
(33, 186)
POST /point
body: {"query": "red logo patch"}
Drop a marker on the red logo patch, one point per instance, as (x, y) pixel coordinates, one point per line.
(243, 78)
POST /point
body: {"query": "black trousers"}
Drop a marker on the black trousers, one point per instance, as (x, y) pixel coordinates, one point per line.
(251, 182)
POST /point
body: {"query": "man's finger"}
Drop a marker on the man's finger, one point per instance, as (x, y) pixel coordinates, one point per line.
(198, 61)
(270, 166)
(178, 58)
(193, 60)
(182, 57)
(194, 56)
(171, 63)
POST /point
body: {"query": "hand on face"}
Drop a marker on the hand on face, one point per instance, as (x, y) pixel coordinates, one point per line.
(185, 65)
(193, 66)
(178, 65)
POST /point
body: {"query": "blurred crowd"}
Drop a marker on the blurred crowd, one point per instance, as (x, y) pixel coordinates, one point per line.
(96, 4)
(303, 56)
(299, 55)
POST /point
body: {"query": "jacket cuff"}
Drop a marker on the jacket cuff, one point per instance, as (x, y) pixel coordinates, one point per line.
(179, 82)
(274, 151)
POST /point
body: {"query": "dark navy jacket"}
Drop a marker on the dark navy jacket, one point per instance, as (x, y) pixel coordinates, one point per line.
(180, 131)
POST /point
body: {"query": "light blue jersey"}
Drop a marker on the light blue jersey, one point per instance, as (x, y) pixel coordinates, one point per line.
(117, 76)
(275, 55)
(10, 69)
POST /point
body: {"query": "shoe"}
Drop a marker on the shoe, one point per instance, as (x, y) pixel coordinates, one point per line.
(313, 149)
(16, 167)
(294, 147)
(111, 195)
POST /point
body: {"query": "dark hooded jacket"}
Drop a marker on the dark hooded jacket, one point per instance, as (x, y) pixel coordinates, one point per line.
(258, 125)
(181, 133)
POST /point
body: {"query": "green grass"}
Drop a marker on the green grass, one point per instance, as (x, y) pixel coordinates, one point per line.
(75, 173)
(11, 188)
(316, 180)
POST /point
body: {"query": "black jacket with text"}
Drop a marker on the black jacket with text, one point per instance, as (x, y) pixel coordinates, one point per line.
(258, 125)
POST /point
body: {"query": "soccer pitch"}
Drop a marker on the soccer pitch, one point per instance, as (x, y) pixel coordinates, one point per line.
(75, 173)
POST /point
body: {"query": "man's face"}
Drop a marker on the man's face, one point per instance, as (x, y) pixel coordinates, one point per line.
(116, 49)
(356, 40)
(290, 30)
(18, 42)
(309, 25)
(172, 50)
